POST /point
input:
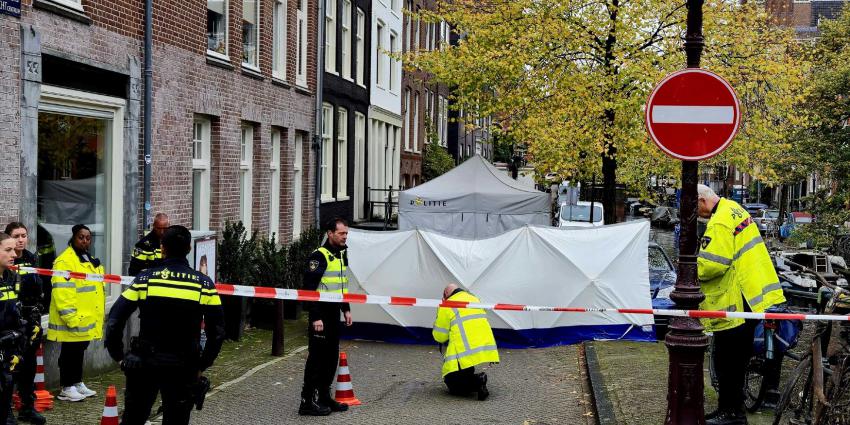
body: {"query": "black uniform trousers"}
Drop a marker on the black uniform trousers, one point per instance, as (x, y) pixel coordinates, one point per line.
(322, 357)
(71, 355)
(25, 376)
(174, 384)
(732, 351)
(6, 395)
(462, 382)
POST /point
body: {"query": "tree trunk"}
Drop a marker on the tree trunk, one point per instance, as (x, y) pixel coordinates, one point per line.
(277, 334)
(609, 181)
(783, 201)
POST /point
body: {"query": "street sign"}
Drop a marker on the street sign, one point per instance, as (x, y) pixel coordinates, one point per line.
(693, 114)
(11, 8)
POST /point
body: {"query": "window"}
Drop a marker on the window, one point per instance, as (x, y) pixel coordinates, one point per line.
(361, 28)
(416, 33)
(393, 80)
(341, 154)
(217, 27)
(297, 182)
(327, 151)
(428, 109)
(406, 105)
(73, 4)
(427, 36)
(394, 5)
(440, 120)
(330, 36)
(280, 37)
(408, 25)
(346, 39)
(379, 55)
(416, 122)
(301, 42)
(444, 111)
(201, 173)
(274, 187)
(246, 165)
(251, 33)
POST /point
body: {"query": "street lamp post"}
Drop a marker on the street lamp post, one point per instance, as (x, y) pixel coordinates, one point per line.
(686, 342)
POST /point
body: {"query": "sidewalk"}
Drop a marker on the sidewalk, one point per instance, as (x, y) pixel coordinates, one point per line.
(235, 359)
(400, 384)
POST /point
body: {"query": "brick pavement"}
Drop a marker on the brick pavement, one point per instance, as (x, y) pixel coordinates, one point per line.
(400, 384)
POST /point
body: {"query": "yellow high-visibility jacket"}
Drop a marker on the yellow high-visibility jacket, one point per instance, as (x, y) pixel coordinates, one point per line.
(76, 305)
(734, 266)
(334, 279)
(467, 331)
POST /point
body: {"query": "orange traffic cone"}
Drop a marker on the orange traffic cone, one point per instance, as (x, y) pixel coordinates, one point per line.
(110, 408)
(344, 389)
(43, 398)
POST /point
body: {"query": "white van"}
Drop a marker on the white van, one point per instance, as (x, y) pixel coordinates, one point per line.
(578, 215)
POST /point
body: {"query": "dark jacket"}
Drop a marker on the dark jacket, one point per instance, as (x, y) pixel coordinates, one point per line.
(146, 254)
(315, 268)
(173, 300)
(30, 291)
(10, 317)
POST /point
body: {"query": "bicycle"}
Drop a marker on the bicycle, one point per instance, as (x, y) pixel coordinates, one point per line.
(818, 391)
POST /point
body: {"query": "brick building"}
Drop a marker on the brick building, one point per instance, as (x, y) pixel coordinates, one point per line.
(233, 115)
(804, 15)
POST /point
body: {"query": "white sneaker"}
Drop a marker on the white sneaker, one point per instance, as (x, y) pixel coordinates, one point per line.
(70, 394)
(84, 391)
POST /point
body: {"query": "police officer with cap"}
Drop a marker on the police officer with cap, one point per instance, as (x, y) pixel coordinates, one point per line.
(166, 357)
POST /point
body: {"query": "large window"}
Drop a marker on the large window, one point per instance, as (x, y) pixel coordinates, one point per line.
(408, 23)
(416, 33)
(246, 167)
(342, 154)
(301, 42)
(428, 39)
(80, 173)
(346, 39)
(201, 173)
(440, 120)
(444, 120)
(327, 151)
(330, 36)
(280, 40)
(297, 182)
(393, 80)
(360, 46)
(416, 122)
(407, 111)
(379, 55)
(251, 33)
(217, 27)
(274, 186)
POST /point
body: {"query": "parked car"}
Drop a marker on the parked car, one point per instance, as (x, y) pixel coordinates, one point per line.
(662, 278)
(753, 208)
(767, 221)
(792, 221)
(579, 215)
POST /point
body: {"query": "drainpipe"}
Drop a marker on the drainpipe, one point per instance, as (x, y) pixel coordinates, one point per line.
(148, 108)
(317, 136)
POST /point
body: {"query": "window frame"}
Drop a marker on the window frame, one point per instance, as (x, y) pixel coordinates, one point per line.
(249, 65)
(330, 36)
(345, 30)
(226, 54)
(280, 39)
(201, 206)
(274, 184)
(297, 185)
(342, 154)
(379, 54)
(416, 122)
(393, 63)
(301, 41)
(246, 174)
(360, 46)
(406, 105)
(327, 153)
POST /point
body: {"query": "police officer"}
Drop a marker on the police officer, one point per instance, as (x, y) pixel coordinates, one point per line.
(469, 342)
(146, 253)
(166, 356)
(326, 272)
(736, 274)
(11, 325)
(30, 296)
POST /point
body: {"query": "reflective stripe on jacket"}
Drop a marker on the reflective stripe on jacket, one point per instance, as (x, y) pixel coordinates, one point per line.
(76, 305)
(734, 265)
(334, 279)
(467, 331)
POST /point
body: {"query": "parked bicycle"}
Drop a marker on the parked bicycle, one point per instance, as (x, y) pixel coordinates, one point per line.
(818, 391)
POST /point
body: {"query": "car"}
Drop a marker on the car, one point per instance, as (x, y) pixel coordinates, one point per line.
(662, 279)
(579, 214)
(792, 221)
(767, 221)
(753, 208)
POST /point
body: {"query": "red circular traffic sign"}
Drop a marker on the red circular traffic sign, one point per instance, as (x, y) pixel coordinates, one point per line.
(693, 114)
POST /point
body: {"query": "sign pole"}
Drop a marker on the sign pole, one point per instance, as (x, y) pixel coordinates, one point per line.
(686, 342)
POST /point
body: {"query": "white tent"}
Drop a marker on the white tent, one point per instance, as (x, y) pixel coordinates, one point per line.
(603, 267)
(473, 200)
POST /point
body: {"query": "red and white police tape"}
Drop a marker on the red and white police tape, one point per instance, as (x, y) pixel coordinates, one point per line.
(302, 295)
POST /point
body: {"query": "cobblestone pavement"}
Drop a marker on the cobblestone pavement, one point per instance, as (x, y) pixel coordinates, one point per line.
(400, 384)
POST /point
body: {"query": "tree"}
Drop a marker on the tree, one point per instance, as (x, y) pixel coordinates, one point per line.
(572, 76)
(436, 160)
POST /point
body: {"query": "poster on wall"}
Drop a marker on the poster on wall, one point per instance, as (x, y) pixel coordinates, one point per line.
(205, 256)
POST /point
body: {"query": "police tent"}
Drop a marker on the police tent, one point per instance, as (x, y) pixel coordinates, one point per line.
(473, 200)
(602, 267)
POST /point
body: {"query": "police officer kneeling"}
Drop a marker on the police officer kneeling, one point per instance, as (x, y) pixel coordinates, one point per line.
(166, 357)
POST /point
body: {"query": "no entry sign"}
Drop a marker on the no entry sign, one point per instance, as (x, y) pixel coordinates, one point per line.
(693, 114)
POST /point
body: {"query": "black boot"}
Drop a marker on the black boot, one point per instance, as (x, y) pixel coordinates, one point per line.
(310, 405)
(483, 393)
(325, 399)
(728, 418)
(30, 415)
(10, 418)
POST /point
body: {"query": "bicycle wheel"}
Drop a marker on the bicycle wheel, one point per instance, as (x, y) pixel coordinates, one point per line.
(795, 403)
(754, 389)
(837, 389)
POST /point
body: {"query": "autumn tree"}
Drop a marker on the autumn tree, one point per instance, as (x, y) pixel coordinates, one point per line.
(570, 78)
